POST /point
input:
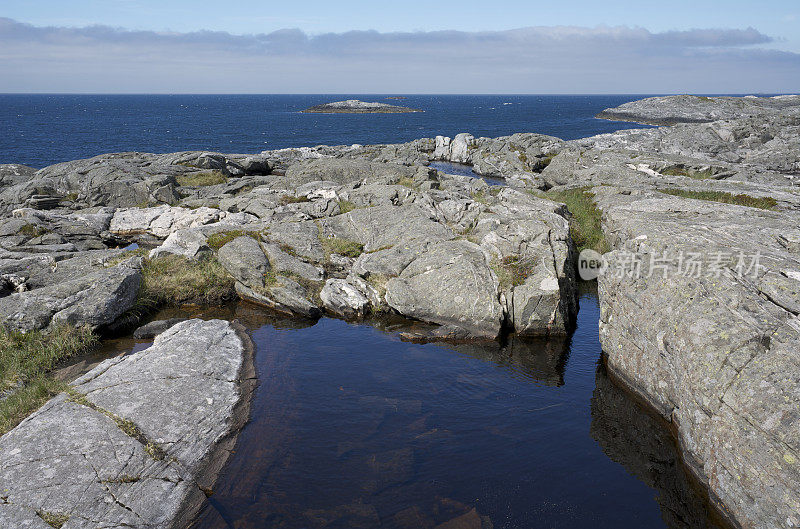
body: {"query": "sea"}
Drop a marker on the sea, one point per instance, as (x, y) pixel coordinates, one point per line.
(42, 129)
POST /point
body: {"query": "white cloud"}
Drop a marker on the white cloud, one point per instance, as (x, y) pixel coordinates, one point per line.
(526, 60)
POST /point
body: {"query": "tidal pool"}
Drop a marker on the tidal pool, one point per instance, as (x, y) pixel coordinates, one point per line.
(352, 427)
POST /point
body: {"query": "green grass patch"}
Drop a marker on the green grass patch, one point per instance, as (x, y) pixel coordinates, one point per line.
(28, 358)
(27, 400)
(512, 270)
(53, 519)
(481, 196)
(342, 246)
(204, 178)
(220, 239)
(345, 206)
(725, 198)
(406, 182)
(291, 199)
(677, 170)
(174, 279)
(32, 230)
(585, 226)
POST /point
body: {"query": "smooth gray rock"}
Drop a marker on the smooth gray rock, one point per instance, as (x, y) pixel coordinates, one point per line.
(283, 262)
(244, 259)
(183, 399)
(451, 283)
(186, 242)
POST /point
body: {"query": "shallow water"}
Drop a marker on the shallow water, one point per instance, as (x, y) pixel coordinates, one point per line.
(465, 170)
(352, 427)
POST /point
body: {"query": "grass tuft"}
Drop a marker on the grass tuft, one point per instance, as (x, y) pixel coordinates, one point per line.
(26, 400)
(345, 206)
(205, 178)
(512, 270)
(291, 199)
(26, 360)
(53, 519)
(220, 239)
(725, 198)
(585, 226)
(174, 279)
(678, 170)
(406, 182)
(32, 230)
(341, 246)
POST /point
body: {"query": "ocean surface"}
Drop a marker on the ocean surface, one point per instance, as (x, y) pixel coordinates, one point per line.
(40, 130)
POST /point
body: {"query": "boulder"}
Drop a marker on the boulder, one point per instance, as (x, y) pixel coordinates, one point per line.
(186, 242)
(244, 259)
(344, 299)
(451, 283)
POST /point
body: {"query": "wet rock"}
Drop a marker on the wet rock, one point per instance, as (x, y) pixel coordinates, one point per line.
(154, 328)
(140, 440)
(342, 298)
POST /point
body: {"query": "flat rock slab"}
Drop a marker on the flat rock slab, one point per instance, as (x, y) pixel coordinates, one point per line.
(139, 438)
(715, 350)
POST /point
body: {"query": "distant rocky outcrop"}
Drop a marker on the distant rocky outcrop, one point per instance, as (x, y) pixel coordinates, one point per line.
(354, 106)
(669, 110)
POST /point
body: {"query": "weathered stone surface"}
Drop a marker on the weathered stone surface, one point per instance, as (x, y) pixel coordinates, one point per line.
(714, 350)
(186, 242)
(340, 297)
(283, 262)
(286, 295)
(343, 172)
(451, 283)
(669, 110)
(244, 259)
(149, 436)
(95, 299)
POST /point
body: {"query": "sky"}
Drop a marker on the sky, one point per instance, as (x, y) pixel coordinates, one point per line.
(497, 46)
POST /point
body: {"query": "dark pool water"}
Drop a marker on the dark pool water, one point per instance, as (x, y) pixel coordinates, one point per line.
(352, 427)
(465, 170)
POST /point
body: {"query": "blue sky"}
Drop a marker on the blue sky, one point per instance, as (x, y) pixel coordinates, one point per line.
(497, 46)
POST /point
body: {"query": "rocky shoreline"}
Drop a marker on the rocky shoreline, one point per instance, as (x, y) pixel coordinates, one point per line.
(357, 231)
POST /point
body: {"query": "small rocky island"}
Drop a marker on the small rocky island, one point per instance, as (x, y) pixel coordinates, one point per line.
(700, 303)
(354, 106)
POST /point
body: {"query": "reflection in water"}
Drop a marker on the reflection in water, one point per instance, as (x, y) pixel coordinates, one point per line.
(639, 441)
(465, 170)
(352, 427)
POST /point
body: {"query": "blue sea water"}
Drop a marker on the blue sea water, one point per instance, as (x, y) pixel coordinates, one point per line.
(39, 130)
